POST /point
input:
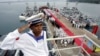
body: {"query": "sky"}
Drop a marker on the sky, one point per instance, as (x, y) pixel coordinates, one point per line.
(32, 0)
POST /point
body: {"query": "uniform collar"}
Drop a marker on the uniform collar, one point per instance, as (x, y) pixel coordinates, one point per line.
(38, 38)
(30, 31)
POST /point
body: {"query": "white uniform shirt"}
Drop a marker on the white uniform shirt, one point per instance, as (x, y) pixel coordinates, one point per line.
(26, 43)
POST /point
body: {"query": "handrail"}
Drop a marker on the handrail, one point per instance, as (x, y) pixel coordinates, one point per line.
(85, 51)
(78, 36)
(17, 53)
(65, 48)
(68, 37)
(92, 41)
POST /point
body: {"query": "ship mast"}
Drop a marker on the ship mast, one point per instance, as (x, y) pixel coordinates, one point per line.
(27, 8)
(76, 3)
(35, 7)
(66, 3)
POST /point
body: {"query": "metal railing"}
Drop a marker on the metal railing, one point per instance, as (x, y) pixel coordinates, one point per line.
(70, 37)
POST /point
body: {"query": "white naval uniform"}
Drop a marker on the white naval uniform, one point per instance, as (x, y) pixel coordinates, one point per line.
(26, 43)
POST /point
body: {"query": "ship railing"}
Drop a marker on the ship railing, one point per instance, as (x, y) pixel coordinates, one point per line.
(57, 50)
(69, 37)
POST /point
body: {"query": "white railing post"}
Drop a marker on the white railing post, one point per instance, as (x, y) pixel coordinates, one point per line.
(92, 41)
(17, 53)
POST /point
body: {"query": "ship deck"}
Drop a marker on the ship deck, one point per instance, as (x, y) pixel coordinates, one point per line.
(75, 31)
(69, 52)
(78, 31)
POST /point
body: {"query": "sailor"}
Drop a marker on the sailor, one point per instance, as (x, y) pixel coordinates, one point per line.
(52, 20)
(31, 43)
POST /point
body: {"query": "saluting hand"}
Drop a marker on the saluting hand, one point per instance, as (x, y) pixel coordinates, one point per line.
(24, 27)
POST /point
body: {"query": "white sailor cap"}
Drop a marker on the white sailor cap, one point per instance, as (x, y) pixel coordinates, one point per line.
(35, 21)
(39, 15)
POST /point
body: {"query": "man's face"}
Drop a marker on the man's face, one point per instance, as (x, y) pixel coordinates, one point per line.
(37, 28)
